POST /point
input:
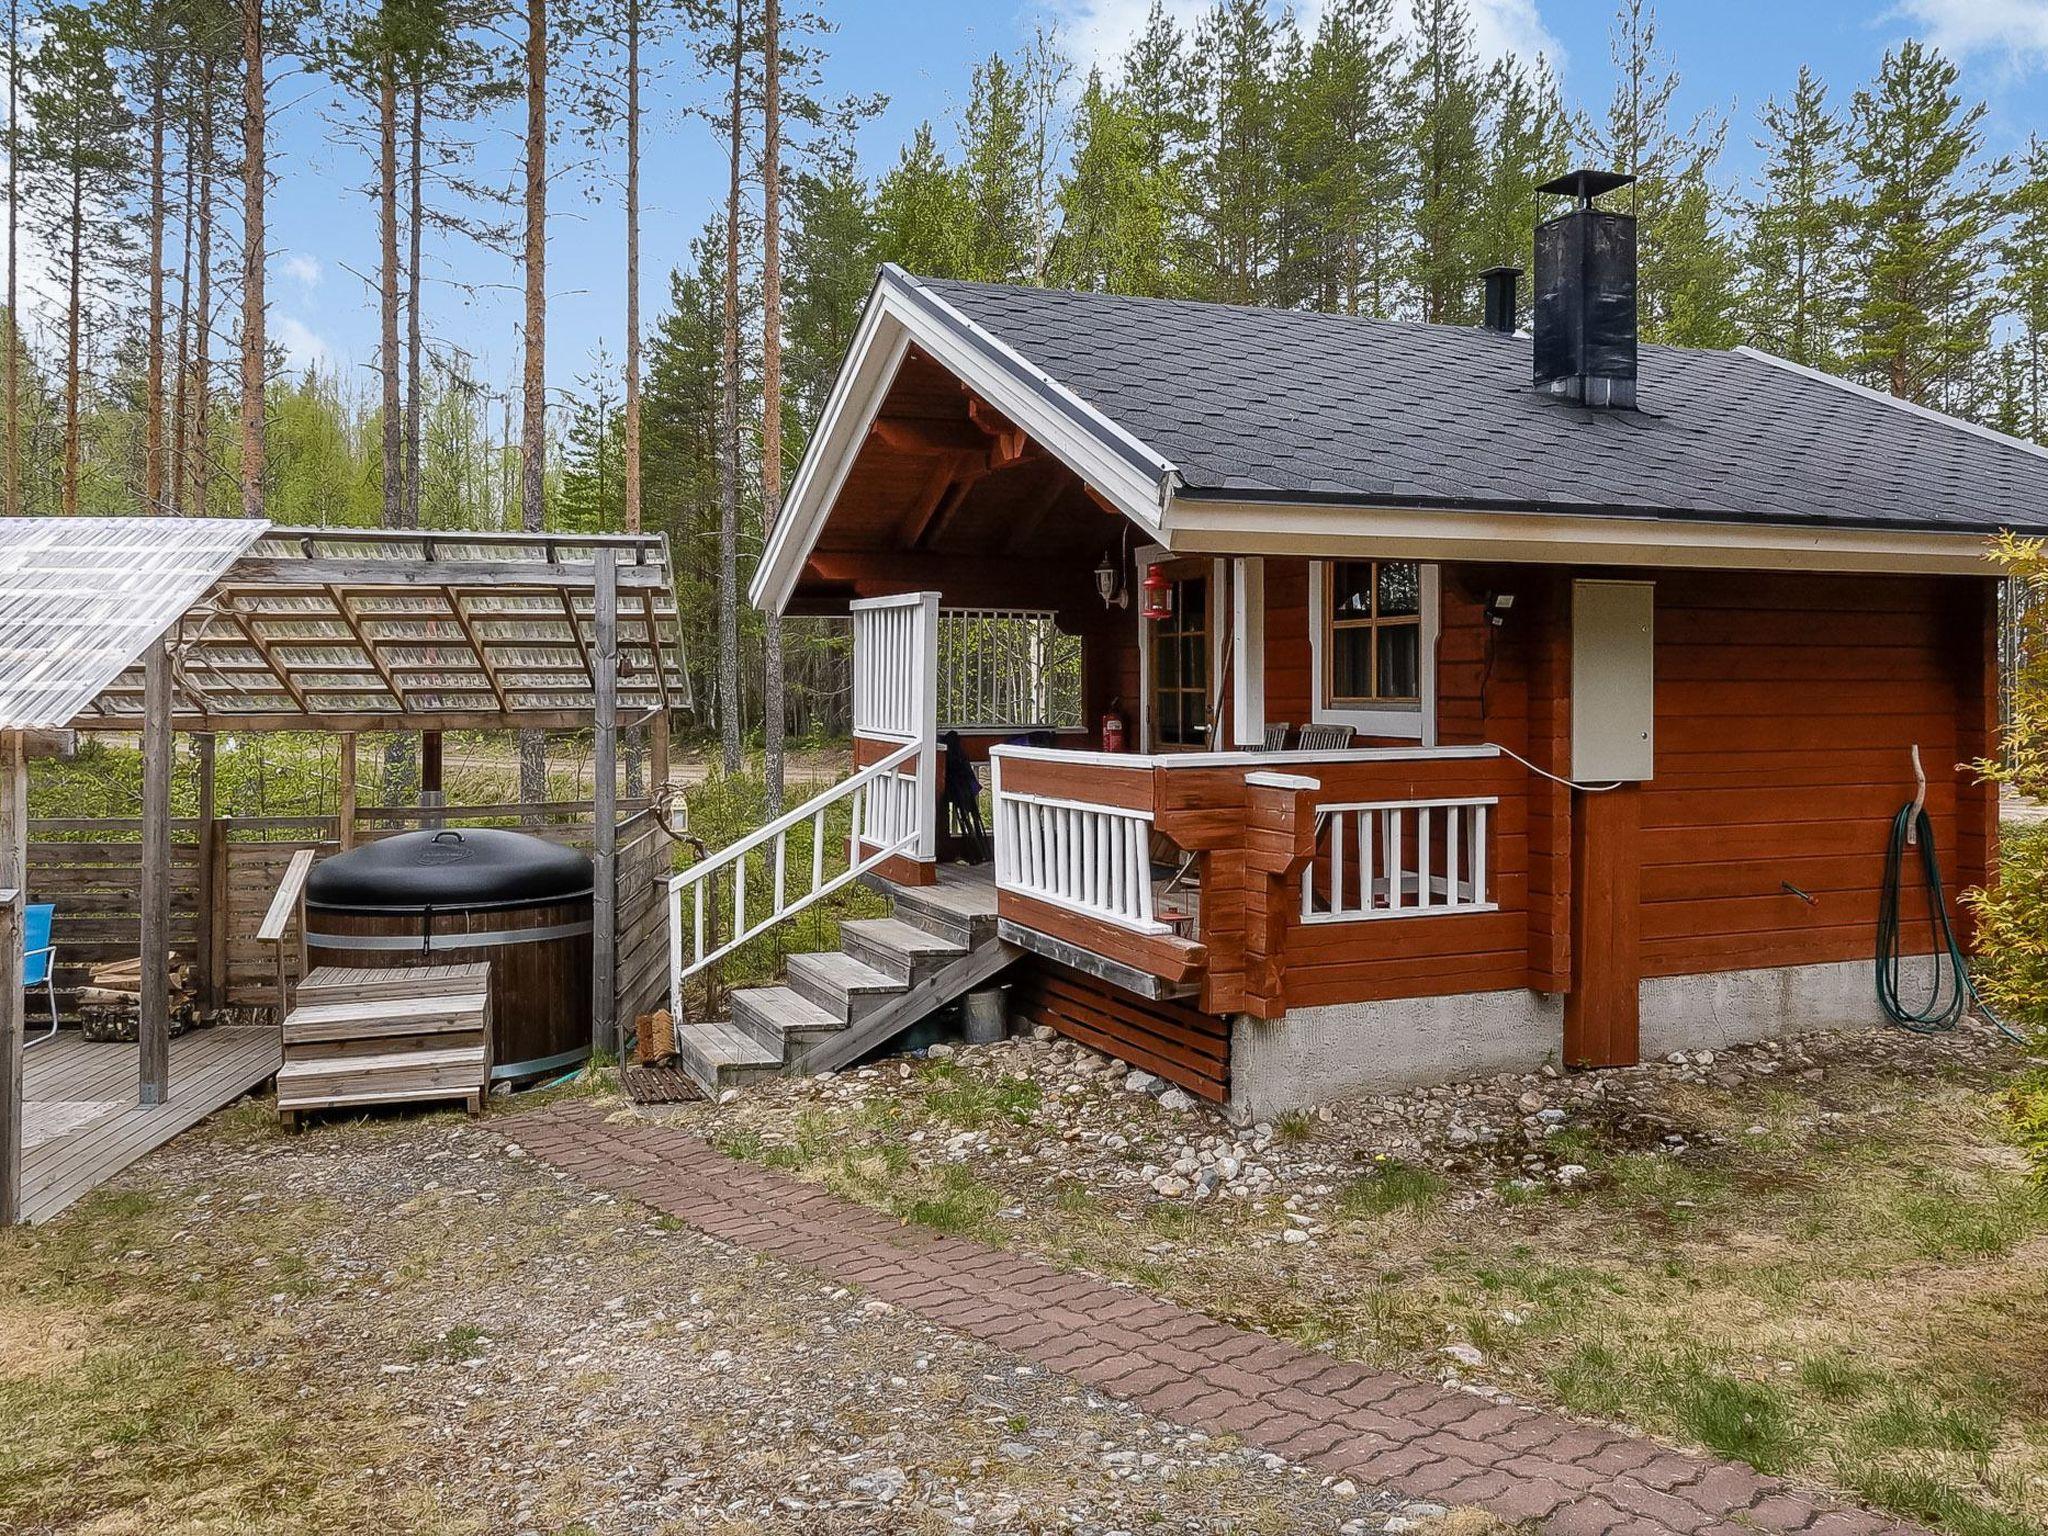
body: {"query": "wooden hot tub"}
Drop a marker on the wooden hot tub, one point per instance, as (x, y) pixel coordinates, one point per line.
(516, 903)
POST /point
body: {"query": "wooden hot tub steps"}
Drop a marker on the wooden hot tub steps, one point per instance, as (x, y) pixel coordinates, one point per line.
(382, 1036)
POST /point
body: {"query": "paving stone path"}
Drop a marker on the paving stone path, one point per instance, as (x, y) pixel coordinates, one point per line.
(1418, 1438)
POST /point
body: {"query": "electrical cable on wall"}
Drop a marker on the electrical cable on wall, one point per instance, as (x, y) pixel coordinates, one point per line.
(1591, 789)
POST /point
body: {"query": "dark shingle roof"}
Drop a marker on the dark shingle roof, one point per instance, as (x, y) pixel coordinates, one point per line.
(1292, 406)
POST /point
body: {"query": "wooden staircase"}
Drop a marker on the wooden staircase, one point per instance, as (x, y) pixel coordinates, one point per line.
(834, 1007)
(360, 1037)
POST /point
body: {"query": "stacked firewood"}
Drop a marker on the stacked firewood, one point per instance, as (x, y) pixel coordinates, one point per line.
(110, 1003)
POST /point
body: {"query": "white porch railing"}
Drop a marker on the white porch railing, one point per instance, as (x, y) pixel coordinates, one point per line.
(1405, 858)
(1007, 669)
(1095, 860)
(765, 888)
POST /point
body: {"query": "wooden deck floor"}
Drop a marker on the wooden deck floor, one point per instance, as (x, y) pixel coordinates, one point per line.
(81, 1124)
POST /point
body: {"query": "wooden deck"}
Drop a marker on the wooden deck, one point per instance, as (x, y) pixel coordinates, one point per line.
(82, 1124)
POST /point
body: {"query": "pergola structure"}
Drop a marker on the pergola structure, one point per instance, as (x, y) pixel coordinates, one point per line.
(153, 626)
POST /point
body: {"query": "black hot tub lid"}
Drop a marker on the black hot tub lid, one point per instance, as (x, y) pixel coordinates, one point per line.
(453, 870)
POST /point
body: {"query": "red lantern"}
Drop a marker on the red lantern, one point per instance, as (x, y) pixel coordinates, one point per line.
(1158, 593)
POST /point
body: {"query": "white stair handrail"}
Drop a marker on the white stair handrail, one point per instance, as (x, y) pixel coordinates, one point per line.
(884, 813)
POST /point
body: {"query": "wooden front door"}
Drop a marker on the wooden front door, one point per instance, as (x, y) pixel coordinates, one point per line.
(1183, 689)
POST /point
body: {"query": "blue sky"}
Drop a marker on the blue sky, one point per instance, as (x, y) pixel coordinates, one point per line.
(1731, 55)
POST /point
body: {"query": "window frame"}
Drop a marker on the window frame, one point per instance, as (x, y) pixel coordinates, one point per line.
(1409, 721)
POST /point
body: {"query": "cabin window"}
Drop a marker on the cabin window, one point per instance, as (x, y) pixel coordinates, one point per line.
(1180, 661)
(1374, 638)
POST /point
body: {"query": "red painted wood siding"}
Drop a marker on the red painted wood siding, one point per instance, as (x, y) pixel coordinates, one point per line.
(1786, 706)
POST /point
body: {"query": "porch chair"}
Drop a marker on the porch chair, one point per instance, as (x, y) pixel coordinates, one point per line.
(1325, 738)
(963, 798)
(1276, 737)
(39, 959)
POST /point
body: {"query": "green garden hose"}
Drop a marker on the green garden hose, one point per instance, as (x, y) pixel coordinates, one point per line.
(1950, 992)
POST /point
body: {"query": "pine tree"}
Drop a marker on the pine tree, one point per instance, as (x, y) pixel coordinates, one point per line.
(1928, 204)
(1347, 155)
(832, 257)
(1235, 184)
(78, 169)
(1450, 165)
(995, 170)
(2023, 254)
(923, 211)
(590, 496)
(1793, 296)
(1685, 261)
(255, 352)
(1528, 142)
(1117, 204)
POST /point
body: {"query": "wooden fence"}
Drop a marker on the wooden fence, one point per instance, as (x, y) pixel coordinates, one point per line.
(223, 876)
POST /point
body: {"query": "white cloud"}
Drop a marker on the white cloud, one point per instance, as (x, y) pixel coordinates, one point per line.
(2017, 29)
(303, 269)
(304, 347)
(1098, 31)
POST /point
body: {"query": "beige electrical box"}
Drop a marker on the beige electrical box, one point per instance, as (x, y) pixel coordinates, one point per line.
(1614, 678)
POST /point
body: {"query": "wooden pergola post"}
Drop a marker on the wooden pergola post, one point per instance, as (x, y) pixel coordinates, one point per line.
(604, 670)
(210, 914)
(345, 808)
(13, 1001)
(153, 1028)
(431, 792)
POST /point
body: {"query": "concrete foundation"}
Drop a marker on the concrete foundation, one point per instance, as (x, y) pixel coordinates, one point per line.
(1314, 1055)
(1705, 1012)
(1317, 1054)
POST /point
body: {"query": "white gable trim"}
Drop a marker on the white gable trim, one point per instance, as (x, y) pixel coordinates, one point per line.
(1125, 473)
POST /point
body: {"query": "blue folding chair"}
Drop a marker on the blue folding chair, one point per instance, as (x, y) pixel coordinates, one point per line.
(39, 957)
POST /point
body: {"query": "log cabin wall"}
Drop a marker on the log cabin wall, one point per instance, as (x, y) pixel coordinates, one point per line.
(1786, 709)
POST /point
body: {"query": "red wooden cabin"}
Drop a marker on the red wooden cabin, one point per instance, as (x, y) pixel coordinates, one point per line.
(1505, 695)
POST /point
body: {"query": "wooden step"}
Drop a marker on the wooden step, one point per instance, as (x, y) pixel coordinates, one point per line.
(844, 987)
(341, 1079)
(896, 948)
(779, 1019)
(717, 1056)
(375, 1017)
(388, 1045)
(341, 983)
(961, 907)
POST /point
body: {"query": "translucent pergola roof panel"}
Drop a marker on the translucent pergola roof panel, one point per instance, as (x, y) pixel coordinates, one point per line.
(82, 597)
(364, 630)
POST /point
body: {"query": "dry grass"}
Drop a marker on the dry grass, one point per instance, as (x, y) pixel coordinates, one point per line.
(1854, 1294)
(118, 1393)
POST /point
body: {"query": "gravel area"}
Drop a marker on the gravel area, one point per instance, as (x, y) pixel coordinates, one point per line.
(555, 1360)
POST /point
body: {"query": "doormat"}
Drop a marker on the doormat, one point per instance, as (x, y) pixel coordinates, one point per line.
(658, 1085)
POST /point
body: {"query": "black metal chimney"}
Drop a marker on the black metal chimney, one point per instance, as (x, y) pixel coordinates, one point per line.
(1500, 298)
(1585, 306)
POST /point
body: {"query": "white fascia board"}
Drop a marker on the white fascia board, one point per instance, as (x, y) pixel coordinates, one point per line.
(899, 313)
(870, 367)
(1296, 528)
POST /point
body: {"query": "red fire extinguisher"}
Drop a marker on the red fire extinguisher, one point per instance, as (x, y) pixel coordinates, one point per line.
(1113, 728)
